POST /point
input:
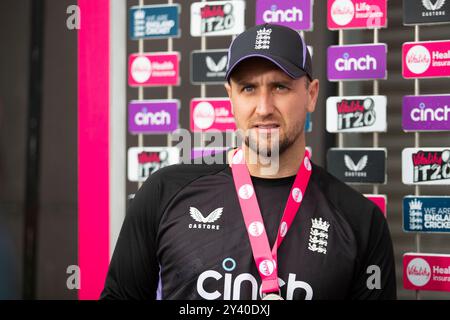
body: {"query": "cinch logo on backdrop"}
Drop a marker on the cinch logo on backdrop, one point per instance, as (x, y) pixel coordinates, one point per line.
(356, 14)
(426, 166)
(357, 62)
(426, 214)
(155, 21)
(296, 14)
(426, 271)
(153, 116)
(356, 114)
(426, 59)
(426, 113)
(227, 286)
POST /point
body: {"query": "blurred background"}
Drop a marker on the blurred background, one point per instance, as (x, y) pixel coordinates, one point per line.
(38, 133)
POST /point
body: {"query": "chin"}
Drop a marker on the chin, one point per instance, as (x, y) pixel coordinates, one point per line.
(265, 148)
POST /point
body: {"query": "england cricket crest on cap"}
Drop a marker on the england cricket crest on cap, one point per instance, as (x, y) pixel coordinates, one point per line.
(262, 40)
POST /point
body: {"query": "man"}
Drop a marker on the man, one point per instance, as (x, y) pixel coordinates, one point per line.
(242, 230)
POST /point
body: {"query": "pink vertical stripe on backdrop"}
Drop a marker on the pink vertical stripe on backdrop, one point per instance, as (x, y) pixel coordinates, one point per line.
(93, 146)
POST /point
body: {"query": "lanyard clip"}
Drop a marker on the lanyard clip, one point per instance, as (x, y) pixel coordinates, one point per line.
(272, 295)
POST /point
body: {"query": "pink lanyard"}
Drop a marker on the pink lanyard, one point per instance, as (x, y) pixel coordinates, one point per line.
(265, 259)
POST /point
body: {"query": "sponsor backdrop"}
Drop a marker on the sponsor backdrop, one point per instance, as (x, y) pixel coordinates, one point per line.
(153, 108)
(356, 14)
(426, 165)
(356, 114)
(358, 165)
(426, 214)
(347, 63)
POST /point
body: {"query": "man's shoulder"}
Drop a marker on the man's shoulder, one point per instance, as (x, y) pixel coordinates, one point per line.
(350, 202)
(183, 173)
(163, 185)
(192, 169)
(186, 171)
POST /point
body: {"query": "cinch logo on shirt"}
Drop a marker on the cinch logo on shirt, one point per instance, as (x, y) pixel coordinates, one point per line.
(229, 285)
(205, 223)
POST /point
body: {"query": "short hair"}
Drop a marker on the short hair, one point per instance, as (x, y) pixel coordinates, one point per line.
(307, 82)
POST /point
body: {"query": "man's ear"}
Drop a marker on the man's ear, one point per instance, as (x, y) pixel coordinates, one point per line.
(228, 88)
(313, 94)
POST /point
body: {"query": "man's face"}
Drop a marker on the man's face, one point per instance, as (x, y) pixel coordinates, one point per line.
(269, 106)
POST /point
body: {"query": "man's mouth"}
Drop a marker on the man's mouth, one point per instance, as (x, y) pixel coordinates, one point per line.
(266, 126)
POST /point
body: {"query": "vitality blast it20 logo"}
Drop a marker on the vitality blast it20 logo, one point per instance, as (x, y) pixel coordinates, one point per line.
(431, 165)
(355, 113)
(217, 17)
(150, 162)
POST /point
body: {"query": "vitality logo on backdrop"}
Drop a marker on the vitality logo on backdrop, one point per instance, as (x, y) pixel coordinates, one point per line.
(426, 59)
(217, 18)
(426, 271)
(154, 69)
(356, 14)
(143, 162)
(211, 113)
(426, 166)
(356, 114)
(357, 62)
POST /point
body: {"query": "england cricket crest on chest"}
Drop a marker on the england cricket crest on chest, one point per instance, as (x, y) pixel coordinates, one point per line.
(318, 236)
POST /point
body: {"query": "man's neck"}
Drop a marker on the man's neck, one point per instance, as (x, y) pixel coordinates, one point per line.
(288, 162)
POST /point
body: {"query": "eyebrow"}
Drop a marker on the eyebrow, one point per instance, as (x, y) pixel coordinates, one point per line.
(244, 82)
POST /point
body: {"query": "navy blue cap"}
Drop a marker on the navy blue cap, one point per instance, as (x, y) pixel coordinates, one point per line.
(281, 45)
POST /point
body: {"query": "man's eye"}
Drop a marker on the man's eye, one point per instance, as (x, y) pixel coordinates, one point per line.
(281, 87)
(248, 89)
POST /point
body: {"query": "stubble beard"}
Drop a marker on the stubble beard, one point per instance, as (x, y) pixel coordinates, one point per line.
(273, 145)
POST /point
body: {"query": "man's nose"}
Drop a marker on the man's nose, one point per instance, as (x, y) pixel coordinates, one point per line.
(265, 103)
